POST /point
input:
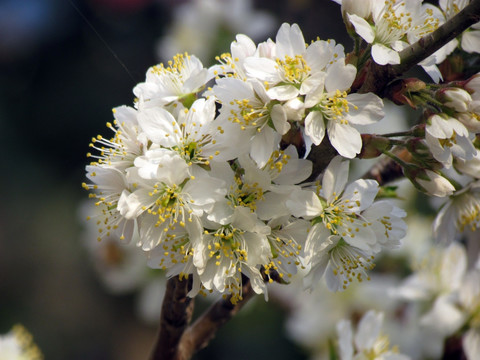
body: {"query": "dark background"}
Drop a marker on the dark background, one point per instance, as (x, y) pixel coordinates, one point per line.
(58, 83)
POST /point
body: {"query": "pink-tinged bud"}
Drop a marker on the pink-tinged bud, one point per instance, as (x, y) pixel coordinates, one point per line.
(419, 130)
(417, 147)
(434, 184)
(373, 146)
(400, 92)
(455, 98)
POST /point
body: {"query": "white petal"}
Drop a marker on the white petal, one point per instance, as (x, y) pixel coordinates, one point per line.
(304, 203)
(315, 127)
(289, 41)
(369, 109)
(340, 76)
(363, 191)
(279, 119)
(160, 126)
(471, 41)
(368, 330)
(345, 139)
(335, 178)
(383, 55)
(283, 92)
(263, 144)
(263, 69)
(362, 28)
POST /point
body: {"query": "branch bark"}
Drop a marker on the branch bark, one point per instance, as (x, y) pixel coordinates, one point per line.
(177, 310)
(204, 329)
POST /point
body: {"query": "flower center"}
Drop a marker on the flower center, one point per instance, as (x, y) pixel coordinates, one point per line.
(294, 69)
(245, 195)
(350, 263)
(248, 114)
(335, 106)
(170, 207)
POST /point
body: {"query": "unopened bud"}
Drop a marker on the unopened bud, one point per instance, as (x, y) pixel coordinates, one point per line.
(433, 183)
(422, 155)
(400, 92)
(455, 98)
(355, 8)
(373, 146)
(360, 8)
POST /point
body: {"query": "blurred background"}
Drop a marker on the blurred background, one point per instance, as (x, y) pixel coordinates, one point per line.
(64, 64)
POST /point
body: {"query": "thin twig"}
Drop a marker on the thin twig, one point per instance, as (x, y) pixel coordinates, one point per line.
(177, 310)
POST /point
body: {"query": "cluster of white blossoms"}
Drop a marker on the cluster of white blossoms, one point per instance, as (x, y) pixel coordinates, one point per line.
(203, 176)
(390, 26)
(238, 173)
(449, 288)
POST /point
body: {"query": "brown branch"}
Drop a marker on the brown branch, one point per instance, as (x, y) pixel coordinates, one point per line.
(177, 310)
(199, 334)
(379, 76)
(320, 156)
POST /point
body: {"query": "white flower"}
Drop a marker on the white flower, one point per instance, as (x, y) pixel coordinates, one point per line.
(107, 172)
(448, 138)
(225, 252)
(166, 196)
(193, 134)
(180, 81)
(341, 243)
(248, 105)
(18, 345)
(440, 273)
(367, 342)
(459, 213)
(286, 241)
(395, 25)
(296, 69)
(338, 113)
(470, 167)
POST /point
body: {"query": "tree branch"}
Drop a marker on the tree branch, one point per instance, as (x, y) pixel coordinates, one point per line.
(205, 327)
(386, 170)
(379, 76)
(177, 310)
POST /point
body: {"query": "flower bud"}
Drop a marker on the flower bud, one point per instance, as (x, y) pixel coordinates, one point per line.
(400, 92)
(361, 8)
(455, 98)
(434, 184)
(373, 146)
